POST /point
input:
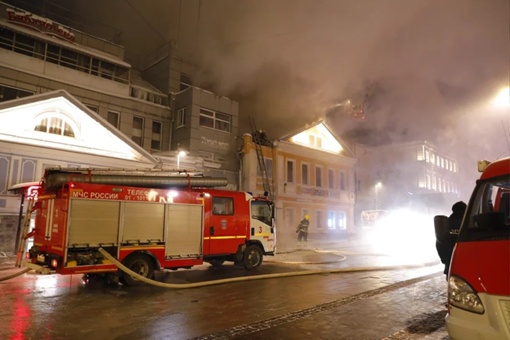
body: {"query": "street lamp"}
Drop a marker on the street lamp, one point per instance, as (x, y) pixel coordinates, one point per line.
(503, 98)
(180, 154)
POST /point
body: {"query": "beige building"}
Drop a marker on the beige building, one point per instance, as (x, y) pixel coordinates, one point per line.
(309, 173)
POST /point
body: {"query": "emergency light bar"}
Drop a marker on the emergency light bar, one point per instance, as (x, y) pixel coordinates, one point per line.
(482, 165)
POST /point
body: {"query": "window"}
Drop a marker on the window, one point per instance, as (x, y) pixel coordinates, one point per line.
(157, 128)
(342, 180)
(223, 206)
(93, 108)
(268, 162)
(315, 141)
(137, 132)
(289, 218)
(318, 176)
(9, 93)
(318, 219)
(113, 118)
(56, 126)
(304, 174)
(331, 179)
(185, 81)
(419, 155)
(290, 171)
(331, 220)
(181, 118)
(261, 211)
(341, 220)
(215, 120)
(70, 58)
(24, 45)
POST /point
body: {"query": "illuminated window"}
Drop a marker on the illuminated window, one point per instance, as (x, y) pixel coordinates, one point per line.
(181, 118)
(290, 171)
(315, 141)
(422, 182)
(157, 128)
(137, 131)
(56, 126)
(341, 220)
(419, 155)
(331, 220)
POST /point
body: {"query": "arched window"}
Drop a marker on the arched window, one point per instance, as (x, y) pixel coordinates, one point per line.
(56, 126)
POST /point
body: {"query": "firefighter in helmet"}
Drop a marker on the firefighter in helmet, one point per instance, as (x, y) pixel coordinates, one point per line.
(302, 230)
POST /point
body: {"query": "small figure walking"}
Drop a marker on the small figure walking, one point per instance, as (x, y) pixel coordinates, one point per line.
(302, 230)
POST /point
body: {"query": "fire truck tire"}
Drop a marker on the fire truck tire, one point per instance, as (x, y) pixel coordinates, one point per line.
(140, 264)
(252, 257)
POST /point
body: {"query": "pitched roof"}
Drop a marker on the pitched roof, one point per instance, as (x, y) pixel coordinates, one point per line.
(92, 133)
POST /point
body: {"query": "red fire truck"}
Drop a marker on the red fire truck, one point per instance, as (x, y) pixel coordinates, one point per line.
(148, 220)
(479, 275)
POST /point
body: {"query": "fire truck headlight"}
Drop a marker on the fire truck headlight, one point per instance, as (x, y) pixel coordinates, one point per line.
(461, 295)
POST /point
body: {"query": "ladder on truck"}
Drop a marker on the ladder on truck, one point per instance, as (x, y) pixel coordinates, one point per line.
(24, 232)
(256, 137)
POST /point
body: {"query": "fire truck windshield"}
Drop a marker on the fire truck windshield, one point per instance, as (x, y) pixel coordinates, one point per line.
(488, 216)
(261, 211)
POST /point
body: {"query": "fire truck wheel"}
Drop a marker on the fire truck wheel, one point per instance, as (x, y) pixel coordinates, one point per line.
(252, 257)
(140, 264)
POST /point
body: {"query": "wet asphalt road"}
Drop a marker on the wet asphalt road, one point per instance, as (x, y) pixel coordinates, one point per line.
(396, 303)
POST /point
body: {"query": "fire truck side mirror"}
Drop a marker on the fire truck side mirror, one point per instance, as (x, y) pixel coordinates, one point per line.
(441, 228)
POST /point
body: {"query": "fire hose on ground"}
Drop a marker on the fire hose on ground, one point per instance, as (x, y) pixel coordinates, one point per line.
(13, 275)
(248, 278)
(221, 281)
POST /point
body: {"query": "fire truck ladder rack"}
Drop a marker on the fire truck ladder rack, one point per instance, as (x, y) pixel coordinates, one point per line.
(258, 141)
(24, 233)
(156, 178)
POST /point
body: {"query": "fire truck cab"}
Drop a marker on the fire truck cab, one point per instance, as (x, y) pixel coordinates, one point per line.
(479, 275)
(148, 221)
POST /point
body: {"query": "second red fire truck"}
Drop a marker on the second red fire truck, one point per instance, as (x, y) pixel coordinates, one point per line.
(148, 220)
